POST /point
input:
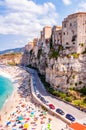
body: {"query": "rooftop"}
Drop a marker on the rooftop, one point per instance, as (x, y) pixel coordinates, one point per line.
(74, 15)
(77, 126)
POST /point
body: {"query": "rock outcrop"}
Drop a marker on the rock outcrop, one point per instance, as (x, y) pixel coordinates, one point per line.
(61, 71)
(11, 59)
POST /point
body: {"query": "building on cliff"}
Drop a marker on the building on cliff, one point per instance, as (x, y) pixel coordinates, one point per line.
(56, 36)
(74, 31)
(64, 64)
(72, 35)
(45, 38)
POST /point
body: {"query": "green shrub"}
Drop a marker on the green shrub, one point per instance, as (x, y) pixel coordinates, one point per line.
(68, 99)
(83, 90)
(62, 95)
(81, 44)
(84, 100)
(72, 88)
(77, 102)
(73, 76)
(75, 55)
(53, 54)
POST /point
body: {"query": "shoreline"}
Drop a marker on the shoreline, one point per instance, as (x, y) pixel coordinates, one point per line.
(12, 100)
(10, 95)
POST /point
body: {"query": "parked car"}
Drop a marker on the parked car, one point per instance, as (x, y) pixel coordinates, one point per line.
(58, 110)
(38, 95)
(51, 106)
(46, 102)
(70, 117)
(37, 92)
(42, 99)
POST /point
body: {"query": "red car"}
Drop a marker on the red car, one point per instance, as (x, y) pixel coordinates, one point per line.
(51, 106)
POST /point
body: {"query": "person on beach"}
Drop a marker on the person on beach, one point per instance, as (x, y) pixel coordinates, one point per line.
(0, 117)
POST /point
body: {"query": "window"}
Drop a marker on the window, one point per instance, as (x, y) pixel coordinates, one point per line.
(65, 25)
(74, 38)
(75, 23)
(67, 43)
(73, 31)
(70, 24)
(64, 33)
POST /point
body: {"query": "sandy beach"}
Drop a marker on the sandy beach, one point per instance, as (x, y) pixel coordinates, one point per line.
(19, 111)
(18, 76)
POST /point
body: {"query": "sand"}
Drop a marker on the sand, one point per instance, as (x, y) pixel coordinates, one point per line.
(22, 95)
(16, 75)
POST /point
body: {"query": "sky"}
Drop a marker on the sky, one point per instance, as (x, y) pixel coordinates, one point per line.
(22, 20)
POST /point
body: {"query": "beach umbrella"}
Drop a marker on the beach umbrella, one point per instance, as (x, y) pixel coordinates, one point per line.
(32, 112)
(49, 126)
(20, 118)
(0, 117)
(8, 123)
(44, 112)
(25, 129)
(27, 118)
(26, 125)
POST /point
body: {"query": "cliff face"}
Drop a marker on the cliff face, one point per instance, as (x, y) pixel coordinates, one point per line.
(61, 69)
(67, 72)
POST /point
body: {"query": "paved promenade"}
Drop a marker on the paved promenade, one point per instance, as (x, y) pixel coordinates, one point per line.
(79, 115)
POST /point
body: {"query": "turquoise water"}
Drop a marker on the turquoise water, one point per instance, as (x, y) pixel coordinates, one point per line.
(6, 88)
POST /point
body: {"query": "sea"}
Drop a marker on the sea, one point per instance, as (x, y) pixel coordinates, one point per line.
(6, 89)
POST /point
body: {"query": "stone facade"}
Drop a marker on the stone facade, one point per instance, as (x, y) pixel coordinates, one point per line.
(74, 31)
(57, 35)
(46, 35)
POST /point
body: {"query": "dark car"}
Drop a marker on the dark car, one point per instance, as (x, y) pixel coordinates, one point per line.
(38, 95)
(58, 110)
(42, 99)
(51, 106)
(70, 117)
(46, 102)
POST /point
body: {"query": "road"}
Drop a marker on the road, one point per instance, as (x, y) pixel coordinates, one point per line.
(79, 115)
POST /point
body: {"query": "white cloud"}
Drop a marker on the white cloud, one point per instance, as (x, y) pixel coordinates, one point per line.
(26, 18)
(67, 2)
(82, 6)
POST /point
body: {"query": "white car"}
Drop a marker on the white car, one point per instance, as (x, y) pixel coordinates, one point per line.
(37, 92)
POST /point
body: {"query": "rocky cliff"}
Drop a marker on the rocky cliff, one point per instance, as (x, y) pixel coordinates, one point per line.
(62, 70)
